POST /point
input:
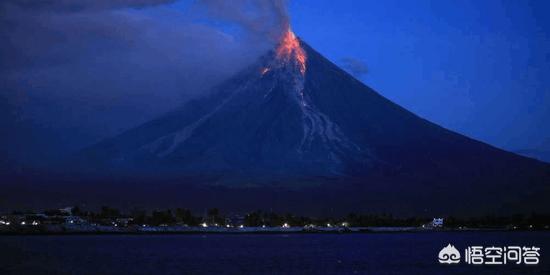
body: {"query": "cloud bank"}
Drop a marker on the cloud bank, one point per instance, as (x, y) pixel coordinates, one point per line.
(81, 5)
(74, 72)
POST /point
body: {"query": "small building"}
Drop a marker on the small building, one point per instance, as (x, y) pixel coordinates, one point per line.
(437, 222)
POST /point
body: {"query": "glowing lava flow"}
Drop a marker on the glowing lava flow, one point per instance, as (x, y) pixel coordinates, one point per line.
(290, 49)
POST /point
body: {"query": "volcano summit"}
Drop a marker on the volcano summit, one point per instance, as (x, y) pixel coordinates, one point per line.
(268, 121)
(294, 120)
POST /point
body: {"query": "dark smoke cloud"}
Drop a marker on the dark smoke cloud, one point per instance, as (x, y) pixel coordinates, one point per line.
(80, 5)
(74, 72)
(354, 66)
(262, 18)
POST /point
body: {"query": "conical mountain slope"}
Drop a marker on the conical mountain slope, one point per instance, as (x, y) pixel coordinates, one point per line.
(295, 118)
(264, 122)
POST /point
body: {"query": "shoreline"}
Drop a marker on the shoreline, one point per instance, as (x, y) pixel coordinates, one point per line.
(238, 231)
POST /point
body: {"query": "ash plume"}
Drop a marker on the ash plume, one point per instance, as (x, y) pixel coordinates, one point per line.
(264, 19)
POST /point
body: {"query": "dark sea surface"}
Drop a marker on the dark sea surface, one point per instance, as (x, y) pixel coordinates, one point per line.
(380, 253)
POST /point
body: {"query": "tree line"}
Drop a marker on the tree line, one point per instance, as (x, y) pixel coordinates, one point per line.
(215, 217)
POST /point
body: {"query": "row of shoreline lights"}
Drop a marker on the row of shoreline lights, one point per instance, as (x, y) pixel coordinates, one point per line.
(22, 223)
(285, 225)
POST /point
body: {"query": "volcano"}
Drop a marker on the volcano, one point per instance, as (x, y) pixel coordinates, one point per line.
(295, 121)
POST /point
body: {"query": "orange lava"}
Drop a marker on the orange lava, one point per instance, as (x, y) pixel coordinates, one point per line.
(290, 49)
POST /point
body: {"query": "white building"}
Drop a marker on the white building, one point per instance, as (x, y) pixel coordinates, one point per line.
(437, 222)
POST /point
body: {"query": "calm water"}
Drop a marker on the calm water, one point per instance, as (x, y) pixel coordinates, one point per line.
(411, 253)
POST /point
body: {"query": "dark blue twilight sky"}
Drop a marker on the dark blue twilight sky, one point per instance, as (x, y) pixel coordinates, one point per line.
(81, 71)
(481, 68)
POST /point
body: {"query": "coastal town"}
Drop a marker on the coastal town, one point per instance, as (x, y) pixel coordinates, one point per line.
(73, 220)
